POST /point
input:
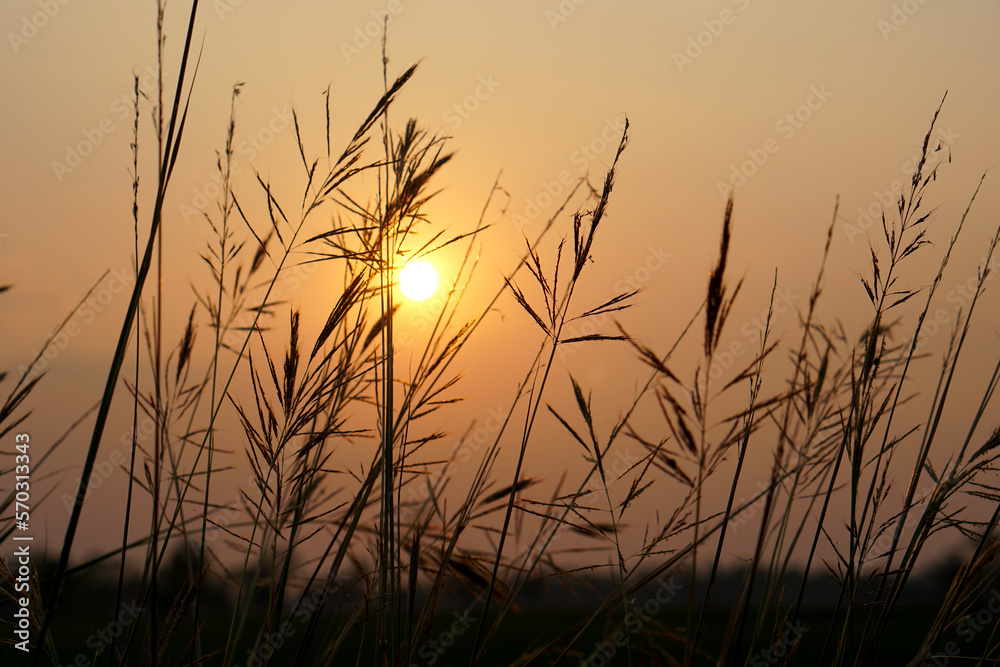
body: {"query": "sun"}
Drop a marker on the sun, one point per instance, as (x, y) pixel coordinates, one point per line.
(418, 280)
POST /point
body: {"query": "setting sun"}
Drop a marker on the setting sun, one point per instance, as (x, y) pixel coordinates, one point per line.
(418, 280)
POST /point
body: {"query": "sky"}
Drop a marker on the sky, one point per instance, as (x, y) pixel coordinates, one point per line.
(788, 104)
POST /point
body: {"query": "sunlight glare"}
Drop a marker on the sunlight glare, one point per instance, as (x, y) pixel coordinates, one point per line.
(418, 280)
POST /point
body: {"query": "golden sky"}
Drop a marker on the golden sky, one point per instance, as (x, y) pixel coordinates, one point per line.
(793, 103)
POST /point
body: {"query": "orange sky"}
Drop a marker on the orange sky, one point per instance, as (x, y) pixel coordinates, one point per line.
(794, 103)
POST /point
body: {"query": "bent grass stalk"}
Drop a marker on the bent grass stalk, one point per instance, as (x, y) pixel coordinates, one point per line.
(169, 157)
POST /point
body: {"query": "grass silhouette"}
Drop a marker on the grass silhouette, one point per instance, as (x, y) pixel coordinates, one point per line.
(334, 565)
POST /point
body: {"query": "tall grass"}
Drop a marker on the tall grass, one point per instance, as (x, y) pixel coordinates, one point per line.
(325, 562)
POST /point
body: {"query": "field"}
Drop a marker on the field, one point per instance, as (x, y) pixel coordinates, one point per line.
(354, 541)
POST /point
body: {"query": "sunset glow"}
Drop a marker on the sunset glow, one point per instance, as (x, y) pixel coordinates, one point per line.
(486, 333)
(418, 280)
